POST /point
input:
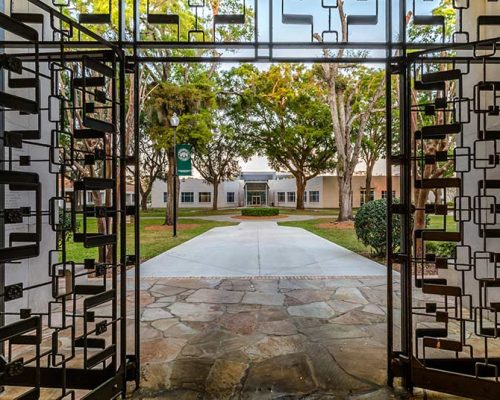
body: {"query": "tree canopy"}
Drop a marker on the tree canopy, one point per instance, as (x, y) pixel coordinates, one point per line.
(287, 121)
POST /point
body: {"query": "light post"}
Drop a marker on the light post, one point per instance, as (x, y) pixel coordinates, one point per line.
(174, 123)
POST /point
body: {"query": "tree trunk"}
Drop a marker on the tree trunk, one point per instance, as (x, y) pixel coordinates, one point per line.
(345, 196)
(368, 182)
(421, 196)
(437, 196)
(301, 186)
(144, 200)
(216, 196)
(169, 215)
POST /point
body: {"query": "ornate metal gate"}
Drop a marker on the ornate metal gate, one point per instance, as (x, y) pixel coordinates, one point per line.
(449, 257)
(65, 157)
(69, 152)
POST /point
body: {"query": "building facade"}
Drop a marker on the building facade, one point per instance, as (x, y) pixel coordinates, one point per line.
(259, 189)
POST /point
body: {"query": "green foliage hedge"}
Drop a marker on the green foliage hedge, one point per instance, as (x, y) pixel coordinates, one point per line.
(441, 249)
(371, 226)
(260, 212)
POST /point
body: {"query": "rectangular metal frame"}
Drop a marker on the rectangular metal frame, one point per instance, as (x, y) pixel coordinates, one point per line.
(75, 46)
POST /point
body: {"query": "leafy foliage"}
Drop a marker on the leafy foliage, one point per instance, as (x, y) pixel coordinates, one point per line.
(371, 226)
(193, 102)
(260, 212)
(441, 249)
(287, 121)
(66, 227)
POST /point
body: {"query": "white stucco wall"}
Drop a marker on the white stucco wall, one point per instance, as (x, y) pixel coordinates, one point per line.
(196, 186)
(34, 270)
(289, 185)
(471, 179)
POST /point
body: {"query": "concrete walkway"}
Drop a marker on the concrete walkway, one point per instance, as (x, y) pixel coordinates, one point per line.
(259, 249)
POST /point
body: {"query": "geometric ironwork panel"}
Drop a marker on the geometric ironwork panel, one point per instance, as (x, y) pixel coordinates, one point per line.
(449, 260)
(63, 184)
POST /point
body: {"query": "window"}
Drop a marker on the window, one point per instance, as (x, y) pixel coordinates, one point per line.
(305, 196)
(230, 197)
(281, 197)
(165, 197)
(364, 198)
(187, 197)
(291, 197)
(204, 197)
(384, 194)
(314, 196)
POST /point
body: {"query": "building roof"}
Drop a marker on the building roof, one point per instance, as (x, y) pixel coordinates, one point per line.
(258, 176)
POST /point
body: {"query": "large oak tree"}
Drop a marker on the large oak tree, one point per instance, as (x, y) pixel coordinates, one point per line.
(287, 121)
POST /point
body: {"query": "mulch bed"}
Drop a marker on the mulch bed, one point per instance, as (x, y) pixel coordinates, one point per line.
(181, 227)
(336, 225)
(245, 217)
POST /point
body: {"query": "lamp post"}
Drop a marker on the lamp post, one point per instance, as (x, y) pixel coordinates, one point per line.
(174, 123)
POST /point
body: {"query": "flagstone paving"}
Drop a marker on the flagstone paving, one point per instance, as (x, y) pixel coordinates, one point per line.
(266, 338)
(261, 338)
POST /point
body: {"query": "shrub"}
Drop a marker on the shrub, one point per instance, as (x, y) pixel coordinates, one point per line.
(65, 231)
(371, 226)
(441, 249)
(260, 212)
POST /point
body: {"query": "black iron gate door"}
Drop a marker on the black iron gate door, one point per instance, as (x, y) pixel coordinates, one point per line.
(448, 157)
(66, 162)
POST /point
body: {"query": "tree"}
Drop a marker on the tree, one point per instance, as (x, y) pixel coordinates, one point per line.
(288, 122)
(352, 99)
(218, 160)
(153, 160)
(373, 147)
(351, 94)
(194, 103)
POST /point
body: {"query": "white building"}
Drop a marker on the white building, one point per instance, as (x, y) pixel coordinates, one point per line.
(269, 189)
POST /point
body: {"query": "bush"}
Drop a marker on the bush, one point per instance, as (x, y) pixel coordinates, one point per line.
(65, 227)
(260, 212)
(371, 226)
(441, 249)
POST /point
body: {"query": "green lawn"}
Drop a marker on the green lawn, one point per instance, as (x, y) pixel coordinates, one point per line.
(154, 241)
(310, 211)
(190, 212)
(437, 222)
(345, 236)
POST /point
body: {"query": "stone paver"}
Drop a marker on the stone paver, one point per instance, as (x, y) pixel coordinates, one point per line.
(258, 338)
(215, 296)
(312, 310)
(257, 249)
(267, 339)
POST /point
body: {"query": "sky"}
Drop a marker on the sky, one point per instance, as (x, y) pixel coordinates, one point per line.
(298, 33)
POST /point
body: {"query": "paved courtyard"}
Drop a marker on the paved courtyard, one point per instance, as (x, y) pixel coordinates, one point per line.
(259, 249)
(266, 339)
(263, 339)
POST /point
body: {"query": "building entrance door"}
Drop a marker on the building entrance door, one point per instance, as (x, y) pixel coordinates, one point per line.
(256, 200)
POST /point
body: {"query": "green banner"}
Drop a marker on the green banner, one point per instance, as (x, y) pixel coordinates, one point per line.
(183, 156)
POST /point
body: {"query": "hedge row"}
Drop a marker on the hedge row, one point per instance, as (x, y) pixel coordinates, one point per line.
(260, 212)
